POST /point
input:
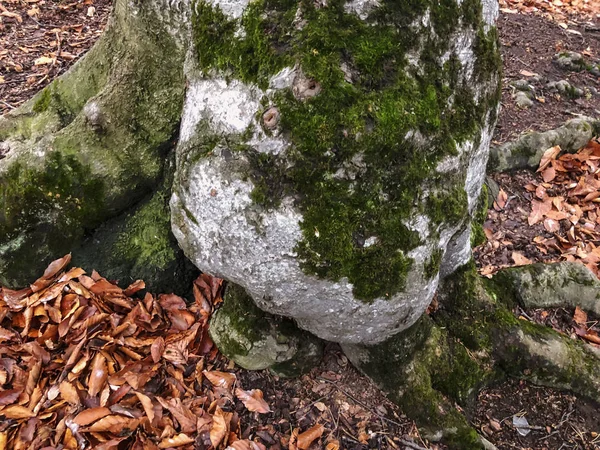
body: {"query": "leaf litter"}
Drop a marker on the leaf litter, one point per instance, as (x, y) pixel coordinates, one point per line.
(80, 366)
(85, 363)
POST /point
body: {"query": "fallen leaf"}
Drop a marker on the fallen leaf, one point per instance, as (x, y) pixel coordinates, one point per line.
(42, 60)
(538, 211)
(548, 156)
(580, 316)
(221, 379)
(220, 427)
(309, 436)
(98, 375)
(176, 441)
(520, 259)
(88, 416)
(253, 400)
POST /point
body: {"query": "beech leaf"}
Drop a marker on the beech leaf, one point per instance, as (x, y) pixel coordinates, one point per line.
(309, 436)
(253, 400)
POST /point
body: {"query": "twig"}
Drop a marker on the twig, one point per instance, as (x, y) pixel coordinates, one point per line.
(360, 403)
(412, 445)
(8, 104)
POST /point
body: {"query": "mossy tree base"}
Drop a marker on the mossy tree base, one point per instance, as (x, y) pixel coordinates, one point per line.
(257, 340)
(473, 339)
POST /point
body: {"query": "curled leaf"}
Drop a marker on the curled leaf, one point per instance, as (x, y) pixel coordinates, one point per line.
(309, 436)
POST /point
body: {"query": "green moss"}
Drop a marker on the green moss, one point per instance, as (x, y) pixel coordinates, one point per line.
(43, 101)
(480, 215)
(147, 234)
(432, 266)
(64, 189)
(354, 168)
(448, 207)
(253, 57)
(418, 369)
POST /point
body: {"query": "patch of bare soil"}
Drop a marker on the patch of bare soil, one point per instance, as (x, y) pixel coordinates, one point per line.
(354, 412)
(529, 45)
(556, 421)
(40, 39)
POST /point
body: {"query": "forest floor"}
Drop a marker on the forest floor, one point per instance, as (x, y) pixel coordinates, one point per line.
(40, 39)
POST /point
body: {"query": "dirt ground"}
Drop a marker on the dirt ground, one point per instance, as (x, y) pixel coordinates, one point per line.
(40, 39)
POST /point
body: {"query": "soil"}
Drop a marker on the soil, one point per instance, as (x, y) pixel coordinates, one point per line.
(556, 420)
(529, 43)
(40, 39)
(352, 409)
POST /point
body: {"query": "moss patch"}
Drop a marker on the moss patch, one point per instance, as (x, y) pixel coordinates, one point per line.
(364, 150)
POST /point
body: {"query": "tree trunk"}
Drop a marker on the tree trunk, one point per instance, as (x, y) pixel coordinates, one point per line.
(329, 160)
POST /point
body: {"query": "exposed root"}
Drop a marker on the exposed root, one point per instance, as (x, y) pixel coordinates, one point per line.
(90, 144)
(435, 369)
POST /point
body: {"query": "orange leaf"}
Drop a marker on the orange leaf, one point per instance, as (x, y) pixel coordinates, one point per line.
(147, 405)
(333, 445)
(115, 424)
(69, 393)
(220, 427)
(220, 379)
(548, 156)
(253, 400)
(56, 266)
(580, 316)
(17, 412)
(309, 436)
(88, 416)
(178, 440)
(98, 375)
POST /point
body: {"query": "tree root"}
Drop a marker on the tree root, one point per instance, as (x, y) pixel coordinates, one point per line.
(435, 369)
(89, 145)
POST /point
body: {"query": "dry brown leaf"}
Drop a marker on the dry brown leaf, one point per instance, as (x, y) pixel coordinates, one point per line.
(520, 259)
(548, 156)
(147, 405)
(548, 174)
(157, 349)
(538, 211)
(98, 375)
(309, 436)
(178, 440)
(88, 416)
(17, 412)
(220, 379)
(501, 199)
(220, 427)
(253, 400)
(115, 424)
(69, 393)
(551, 225)
(246, 444)
(580, 316)
(333, 445)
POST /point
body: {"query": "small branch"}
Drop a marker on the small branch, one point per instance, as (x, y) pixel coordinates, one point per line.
(410, 444)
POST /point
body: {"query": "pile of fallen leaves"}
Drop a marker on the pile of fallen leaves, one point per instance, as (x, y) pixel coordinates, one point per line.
(567, 202)
(564, 205)
(87, 364)
(558, 10)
